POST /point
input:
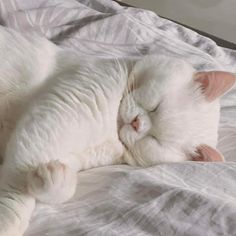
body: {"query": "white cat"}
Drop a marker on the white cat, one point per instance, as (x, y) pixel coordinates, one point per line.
(61, 114)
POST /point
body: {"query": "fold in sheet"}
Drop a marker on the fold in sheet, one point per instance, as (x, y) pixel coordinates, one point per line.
(172, 199)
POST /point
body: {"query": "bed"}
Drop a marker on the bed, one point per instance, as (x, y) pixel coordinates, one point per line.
(178, 199)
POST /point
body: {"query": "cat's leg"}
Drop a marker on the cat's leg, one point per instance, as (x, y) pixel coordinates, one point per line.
(52, 183)
(16, 207)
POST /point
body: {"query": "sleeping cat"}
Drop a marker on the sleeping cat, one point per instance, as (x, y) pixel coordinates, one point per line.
(61, 114)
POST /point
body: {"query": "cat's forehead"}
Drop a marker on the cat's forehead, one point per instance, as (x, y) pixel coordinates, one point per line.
(162, 74)
(173, 72)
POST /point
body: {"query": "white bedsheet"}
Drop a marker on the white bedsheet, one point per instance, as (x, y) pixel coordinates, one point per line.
(171, 199)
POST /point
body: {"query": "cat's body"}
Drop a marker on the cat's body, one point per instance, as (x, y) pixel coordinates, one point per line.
(61, 114)
(71, 83)
(69, 108)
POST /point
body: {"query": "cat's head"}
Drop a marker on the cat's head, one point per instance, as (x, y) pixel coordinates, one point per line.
(170, 112)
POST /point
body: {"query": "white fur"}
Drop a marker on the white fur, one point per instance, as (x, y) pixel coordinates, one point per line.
(62, 114)
(182, 120)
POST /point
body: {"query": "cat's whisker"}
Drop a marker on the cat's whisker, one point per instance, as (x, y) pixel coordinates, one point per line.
(129, 88)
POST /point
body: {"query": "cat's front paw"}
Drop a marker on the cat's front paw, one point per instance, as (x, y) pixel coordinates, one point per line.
(52, 183)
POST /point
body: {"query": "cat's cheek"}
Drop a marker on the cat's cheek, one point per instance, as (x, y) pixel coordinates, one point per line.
(127, 136)
(129, 109)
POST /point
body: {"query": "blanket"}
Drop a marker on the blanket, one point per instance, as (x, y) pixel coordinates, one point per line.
(170, 199)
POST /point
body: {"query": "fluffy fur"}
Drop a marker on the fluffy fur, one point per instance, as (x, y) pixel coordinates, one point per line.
(61, 114)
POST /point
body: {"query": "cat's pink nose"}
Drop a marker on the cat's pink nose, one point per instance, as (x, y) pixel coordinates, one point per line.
(135, 123)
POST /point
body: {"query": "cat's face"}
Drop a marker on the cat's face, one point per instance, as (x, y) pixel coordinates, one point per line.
(166, 114)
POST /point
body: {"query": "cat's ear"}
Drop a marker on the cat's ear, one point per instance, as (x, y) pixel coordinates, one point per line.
(215, 83)
(207, 154)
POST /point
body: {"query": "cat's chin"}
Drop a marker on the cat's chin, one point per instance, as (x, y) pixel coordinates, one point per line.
(128, 158)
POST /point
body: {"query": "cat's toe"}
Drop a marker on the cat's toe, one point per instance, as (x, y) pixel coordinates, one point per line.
(53, 182)
(52, 174)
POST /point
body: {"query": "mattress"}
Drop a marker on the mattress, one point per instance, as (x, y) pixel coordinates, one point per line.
(178, 199)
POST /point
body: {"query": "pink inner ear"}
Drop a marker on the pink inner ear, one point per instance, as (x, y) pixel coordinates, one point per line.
(208, 154)
(215, 83)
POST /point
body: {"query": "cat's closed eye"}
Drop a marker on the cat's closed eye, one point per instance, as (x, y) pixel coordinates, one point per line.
(155, 108)
(151, 136)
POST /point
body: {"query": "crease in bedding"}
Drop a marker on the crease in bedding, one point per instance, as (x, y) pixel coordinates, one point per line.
(169, 199)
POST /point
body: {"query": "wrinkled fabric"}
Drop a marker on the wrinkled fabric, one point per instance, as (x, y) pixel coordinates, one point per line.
(173, 199)
(182, 199)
